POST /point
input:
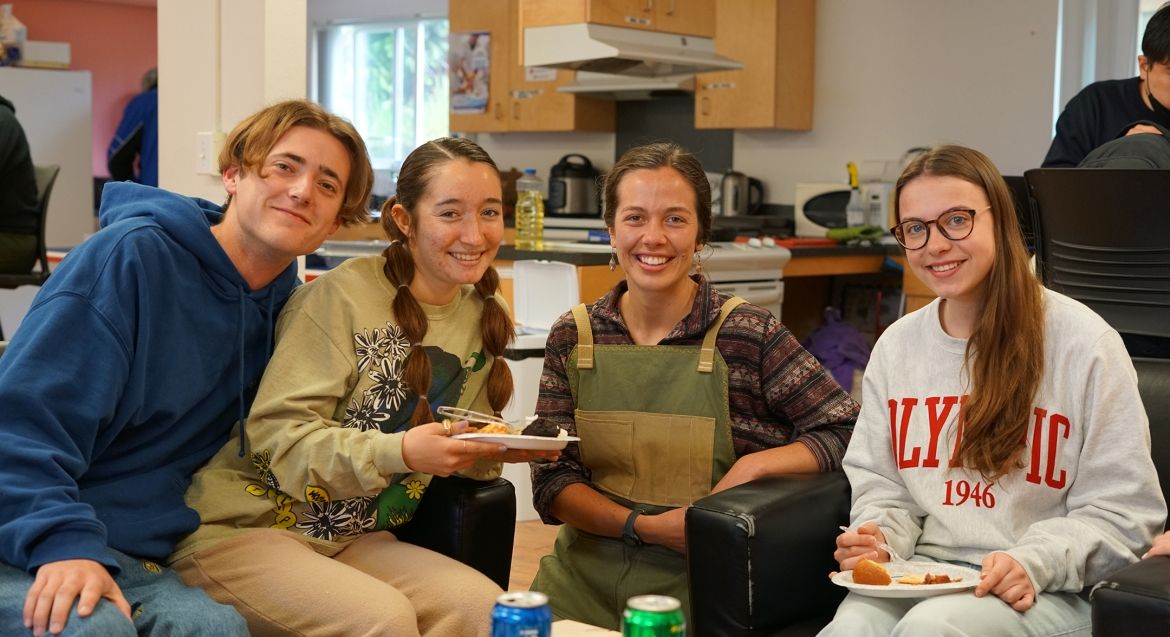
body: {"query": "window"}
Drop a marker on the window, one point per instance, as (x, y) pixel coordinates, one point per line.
(1146, 10)
(389, 79)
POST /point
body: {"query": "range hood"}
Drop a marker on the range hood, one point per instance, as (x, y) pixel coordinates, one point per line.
(628, 87)
(601, 48)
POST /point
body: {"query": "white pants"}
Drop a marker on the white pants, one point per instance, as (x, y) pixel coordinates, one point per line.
(960, 614)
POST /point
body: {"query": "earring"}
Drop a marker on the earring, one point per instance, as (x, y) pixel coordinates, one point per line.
(612, 259)
(698, 263)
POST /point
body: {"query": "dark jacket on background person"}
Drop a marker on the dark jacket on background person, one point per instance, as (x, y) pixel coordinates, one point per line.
(18, 182)
(137, 136)
(136, 358)
(1100, 112)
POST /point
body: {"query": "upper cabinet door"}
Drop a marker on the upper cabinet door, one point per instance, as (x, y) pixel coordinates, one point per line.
(498, 18)
(775, 41)
(689, 17)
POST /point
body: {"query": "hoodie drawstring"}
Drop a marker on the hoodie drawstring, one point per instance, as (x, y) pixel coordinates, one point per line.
(240, 330)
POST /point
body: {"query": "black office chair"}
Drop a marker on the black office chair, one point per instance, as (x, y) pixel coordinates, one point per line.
(46, 177)
(1103, 238)
(1023, 200)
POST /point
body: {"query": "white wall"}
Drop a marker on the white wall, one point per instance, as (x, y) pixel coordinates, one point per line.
(234, 57)
(900, 73)
(53, 108)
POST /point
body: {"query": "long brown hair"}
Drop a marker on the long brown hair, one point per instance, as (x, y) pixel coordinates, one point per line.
(1005, 354)
(251, 140)
(414, 180)
(661, 155)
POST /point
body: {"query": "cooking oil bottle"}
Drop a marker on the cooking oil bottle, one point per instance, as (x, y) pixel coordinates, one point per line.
(855, 209)
(529, 211)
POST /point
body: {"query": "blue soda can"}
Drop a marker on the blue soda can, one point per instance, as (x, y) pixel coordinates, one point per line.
(522, 614)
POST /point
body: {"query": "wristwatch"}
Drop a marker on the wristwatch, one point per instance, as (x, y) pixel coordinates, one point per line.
(629, 536)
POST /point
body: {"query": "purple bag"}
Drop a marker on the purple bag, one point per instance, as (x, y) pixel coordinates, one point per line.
(839, 346)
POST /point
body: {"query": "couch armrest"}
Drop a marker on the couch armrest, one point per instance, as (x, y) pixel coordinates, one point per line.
(759, 555)
(1134, 601)
(473, 521)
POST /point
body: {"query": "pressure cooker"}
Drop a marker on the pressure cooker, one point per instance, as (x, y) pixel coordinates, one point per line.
(572, 188)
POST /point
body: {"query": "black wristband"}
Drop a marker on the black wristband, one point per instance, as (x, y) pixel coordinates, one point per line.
(629, 536)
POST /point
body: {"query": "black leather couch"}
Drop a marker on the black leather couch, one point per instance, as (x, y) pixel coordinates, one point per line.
(472, 521)
(759, 554)
(1136, 599)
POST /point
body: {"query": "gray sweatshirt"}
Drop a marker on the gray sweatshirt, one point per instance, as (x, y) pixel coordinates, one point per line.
(1087, 500)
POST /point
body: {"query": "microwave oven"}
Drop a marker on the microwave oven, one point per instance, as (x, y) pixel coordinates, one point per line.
(820, 206)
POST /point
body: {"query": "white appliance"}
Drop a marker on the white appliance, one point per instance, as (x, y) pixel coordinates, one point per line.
(820, 206)
(608, 49)
(628, 87)
(541, 292)
(753, 270)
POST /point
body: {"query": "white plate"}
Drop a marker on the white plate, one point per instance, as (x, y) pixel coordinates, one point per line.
(519, 441)
(969, 579)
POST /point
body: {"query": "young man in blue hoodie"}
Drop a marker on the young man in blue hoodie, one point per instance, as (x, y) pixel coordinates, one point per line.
(135, 360)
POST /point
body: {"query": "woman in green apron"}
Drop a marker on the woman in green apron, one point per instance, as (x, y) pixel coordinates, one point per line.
(676, 390)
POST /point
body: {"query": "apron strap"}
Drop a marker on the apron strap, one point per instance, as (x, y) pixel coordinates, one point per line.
(584, 337)
(707, 353)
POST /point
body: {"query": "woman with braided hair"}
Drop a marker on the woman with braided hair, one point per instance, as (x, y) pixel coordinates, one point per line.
(342, 438)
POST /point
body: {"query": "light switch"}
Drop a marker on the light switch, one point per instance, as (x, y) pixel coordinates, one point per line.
(205, 153)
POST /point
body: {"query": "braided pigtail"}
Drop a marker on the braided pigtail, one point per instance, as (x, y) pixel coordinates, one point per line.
(497, 332)
(399, 270)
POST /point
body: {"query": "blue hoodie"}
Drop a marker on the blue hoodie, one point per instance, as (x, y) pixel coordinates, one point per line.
(136, 358)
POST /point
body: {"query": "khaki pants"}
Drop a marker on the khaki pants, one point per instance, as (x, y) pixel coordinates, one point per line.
(377, 586)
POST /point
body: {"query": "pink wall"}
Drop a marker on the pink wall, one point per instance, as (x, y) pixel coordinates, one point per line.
(117, 43)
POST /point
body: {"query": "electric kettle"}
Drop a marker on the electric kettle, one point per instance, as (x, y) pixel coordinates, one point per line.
(736, 194)
(572, 188)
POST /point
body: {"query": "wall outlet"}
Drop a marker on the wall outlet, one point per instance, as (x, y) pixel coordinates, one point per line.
(205, 153)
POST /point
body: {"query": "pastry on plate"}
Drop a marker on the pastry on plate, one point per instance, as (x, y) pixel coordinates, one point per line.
(870, 572)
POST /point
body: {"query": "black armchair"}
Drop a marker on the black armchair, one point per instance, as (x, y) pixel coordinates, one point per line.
(1136, 599)
(472, 521)
(759, 556)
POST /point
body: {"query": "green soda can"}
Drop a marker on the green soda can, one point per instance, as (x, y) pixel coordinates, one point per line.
(653, 616)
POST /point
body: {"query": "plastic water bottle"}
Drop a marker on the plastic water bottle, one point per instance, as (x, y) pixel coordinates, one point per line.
(529, 211)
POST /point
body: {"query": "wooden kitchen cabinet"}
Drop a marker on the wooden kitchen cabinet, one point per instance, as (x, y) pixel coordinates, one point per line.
(775, 40)
(516, 103)
(688, 17)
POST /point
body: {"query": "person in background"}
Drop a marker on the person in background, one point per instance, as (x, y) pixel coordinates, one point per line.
(1111, 108)
(342, 440)
(1000, 429)
(628, 376)
(133, 153)
(135, 360)
(19, 211)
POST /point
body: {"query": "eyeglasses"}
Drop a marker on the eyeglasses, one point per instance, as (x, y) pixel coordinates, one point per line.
(954, 224)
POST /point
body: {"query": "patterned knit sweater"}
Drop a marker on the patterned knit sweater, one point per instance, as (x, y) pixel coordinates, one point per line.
(778, 393)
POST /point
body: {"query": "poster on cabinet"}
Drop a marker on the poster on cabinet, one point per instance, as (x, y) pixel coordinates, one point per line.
(469, 61)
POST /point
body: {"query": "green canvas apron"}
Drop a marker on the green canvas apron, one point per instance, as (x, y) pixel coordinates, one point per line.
(655, 433)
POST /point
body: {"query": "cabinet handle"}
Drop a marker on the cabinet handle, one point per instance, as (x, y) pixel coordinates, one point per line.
(705, 105)
(499, 111)
(673, 7)
(649, 6)
(516, 111)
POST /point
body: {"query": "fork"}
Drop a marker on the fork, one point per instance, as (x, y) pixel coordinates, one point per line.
(894, 557)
